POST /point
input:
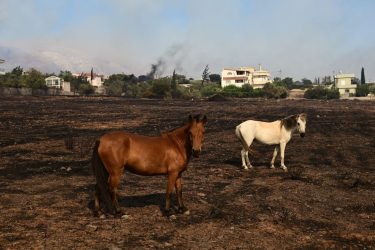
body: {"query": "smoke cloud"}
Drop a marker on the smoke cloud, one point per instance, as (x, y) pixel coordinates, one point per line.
(309, 38)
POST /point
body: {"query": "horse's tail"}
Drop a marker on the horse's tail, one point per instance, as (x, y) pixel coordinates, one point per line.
(101, 176)
(244, 144)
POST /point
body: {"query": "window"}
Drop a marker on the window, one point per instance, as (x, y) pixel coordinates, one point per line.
(229, 73)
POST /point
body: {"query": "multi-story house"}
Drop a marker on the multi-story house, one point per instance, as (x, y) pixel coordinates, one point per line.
(245, 75)
(344, 83)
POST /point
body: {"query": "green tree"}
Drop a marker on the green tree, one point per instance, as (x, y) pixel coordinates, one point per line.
(174, 81)
(17, 71)
(205, 74)
(362, 90)
(288, 82)
(363, 80)
(215, 78)
(76, 82)
(66, 75)
(306, 82)
(121, 84)
(13, 79)
(34, 79)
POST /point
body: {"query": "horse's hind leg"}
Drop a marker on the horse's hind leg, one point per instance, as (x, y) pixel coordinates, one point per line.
(97, 210)
(274, 157)
(114, 181)
(245, 159)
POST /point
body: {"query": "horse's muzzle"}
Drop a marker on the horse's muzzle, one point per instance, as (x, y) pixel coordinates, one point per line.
(302, 135)
(196, 153)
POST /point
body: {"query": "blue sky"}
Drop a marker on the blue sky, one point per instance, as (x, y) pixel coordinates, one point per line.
(302, 38)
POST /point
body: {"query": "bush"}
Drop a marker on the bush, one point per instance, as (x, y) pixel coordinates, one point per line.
(161, 88)
(258, 93)
(247, 90)
(232, 91)
(210, 90)
(86, 89)
(275, 91)
(322, 93)
(115, 88)
(241, 92)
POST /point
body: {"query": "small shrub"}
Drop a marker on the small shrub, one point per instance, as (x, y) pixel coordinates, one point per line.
(210, 90)
(232, 91)
(322, 93)
(275, 91)
(86, 89)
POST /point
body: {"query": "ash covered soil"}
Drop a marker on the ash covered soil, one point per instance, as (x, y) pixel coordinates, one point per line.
(326, 200)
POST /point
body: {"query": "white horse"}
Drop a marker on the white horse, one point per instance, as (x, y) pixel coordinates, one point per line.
(271, 133)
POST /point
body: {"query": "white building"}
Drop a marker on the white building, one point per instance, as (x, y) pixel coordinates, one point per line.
(58, 83)
(344, 83)
(245, 75)
(93, 79)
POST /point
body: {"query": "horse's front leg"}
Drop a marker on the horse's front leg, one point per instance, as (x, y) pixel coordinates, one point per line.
(171, 182)
(178, 186)
(274, 157)
(282, 152)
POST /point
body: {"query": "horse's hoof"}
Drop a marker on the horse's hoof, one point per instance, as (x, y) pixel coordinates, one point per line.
(102, 216)
(285, 169)
(272, 167)
(167, 213)
(117, 212)
(183, 210)
(99, 213)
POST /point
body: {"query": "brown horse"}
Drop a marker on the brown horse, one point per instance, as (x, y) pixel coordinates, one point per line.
(167, 154)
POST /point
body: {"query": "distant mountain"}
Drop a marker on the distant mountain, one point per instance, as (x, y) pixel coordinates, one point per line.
(53, 61)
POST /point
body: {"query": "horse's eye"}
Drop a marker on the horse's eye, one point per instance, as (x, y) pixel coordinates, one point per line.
(298, 124)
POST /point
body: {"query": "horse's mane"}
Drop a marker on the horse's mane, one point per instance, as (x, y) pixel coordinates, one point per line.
(289, 122)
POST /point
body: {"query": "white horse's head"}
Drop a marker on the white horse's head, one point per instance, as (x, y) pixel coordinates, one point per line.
(301, 124)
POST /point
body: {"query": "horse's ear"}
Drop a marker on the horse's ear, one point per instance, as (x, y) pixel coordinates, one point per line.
(204, 120)
(303, 116)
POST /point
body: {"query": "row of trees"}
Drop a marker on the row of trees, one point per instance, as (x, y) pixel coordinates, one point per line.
(177, 85)
(34, 79)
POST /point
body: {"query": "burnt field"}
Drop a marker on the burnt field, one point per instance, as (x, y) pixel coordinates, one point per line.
(326, 200)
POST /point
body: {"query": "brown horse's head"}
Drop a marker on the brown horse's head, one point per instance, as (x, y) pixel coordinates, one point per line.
(196, 133)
